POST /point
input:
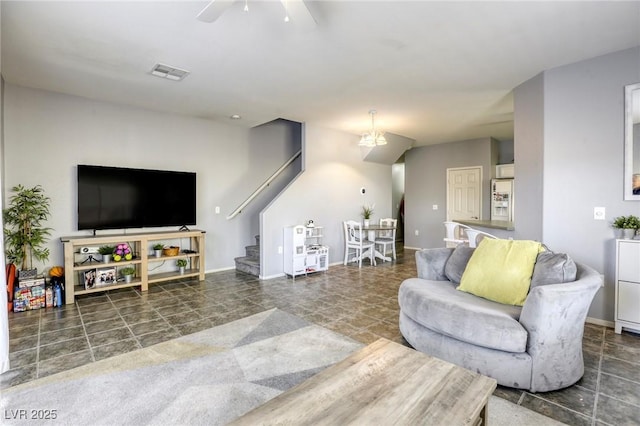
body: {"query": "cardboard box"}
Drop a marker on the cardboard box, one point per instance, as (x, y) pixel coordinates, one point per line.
(29, 298)
(31, 282)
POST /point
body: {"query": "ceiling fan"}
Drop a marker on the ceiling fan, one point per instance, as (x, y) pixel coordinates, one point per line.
(295, 10)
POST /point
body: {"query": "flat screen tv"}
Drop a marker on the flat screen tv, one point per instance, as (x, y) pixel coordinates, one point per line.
(117, 198)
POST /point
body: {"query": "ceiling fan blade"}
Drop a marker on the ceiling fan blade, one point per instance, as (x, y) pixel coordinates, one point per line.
(214, 10)
(299, 13)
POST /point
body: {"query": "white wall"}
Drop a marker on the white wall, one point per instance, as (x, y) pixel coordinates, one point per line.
(4, 319)
(48, 134)
(327, 192)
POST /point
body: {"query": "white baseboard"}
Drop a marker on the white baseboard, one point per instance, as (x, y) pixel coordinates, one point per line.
(268, 277)
(598, 321)
(210, 271)
(412, 248)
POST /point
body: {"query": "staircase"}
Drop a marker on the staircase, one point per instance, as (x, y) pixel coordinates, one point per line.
(250, 263)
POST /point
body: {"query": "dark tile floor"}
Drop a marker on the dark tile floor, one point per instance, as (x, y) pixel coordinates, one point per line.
(361, 303)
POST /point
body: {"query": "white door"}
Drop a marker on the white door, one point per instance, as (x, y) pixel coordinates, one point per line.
(464, 193)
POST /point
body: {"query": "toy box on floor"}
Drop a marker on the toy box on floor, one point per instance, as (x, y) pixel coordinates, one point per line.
(29, 295)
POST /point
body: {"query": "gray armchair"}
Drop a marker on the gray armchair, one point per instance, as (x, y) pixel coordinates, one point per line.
(487, 337)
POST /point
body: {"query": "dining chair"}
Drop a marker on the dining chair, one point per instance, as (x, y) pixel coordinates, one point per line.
(385, 237)
(455, 234)
(476, 236)
(354, 240)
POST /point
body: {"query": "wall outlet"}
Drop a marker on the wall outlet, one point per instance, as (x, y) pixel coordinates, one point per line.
(279, 249)
(599, 213)
(417, 232)
(434, 207)
(217, 209)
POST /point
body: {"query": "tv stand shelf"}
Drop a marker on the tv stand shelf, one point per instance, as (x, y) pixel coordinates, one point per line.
(141, 245)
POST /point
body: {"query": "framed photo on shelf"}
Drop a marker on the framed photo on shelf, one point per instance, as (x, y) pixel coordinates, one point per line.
(89, 279)
(105, 277)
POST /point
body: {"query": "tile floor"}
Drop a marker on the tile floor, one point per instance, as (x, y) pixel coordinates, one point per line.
(361, 303)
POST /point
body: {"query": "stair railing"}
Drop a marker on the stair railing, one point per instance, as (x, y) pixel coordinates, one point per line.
(264, 185)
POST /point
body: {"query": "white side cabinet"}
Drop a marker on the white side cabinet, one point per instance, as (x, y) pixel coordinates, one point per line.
(627, 309)
(303, 250)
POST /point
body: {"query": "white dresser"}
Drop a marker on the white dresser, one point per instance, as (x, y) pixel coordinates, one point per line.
(627, 309)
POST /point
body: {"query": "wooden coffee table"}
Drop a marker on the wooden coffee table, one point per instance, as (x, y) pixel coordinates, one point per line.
(381, 384)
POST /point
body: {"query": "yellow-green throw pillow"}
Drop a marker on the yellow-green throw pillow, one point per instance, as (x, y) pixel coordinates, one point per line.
(501, 270)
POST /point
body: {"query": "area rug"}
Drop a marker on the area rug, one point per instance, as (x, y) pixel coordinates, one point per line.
(210, 377)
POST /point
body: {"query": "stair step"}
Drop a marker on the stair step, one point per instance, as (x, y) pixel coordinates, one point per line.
(253, 251)
(248, 264)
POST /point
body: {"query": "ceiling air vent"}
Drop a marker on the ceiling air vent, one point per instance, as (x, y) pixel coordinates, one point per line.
(169, 72)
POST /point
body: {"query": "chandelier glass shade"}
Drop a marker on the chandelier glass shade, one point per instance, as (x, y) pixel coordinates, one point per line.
(373, 137)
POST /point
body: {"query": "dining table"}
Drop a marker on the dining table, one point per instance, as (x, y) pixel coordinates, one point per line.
(372, 230)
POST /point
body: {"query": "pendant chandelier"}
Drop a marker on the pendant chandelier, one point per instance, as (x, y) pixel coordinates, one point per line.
(373, 137)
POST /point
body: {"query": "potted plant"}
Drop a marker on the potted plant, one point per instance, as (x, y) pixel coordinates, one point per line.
(157, 249)
(367, 213)
(24, 235)
(182, 263)
(127, 273)
(627, 226)
(106, 252)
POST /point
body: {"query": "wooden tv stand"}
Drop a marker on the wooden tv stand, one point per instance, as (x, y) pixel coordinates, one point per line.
(75, 263)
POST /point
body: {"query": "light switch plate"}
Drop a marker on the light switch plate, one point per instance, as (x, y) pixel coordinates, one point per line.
(599, 213)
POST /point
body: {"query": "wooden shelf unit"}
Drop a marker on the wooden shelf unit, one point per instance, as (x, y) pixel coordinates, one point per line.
(142, 246)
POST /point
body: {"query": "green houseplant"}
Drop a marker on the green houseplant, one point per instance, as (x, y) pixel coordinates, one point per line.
(24, 234)
(127, 273)
(181, 263)
(106, 252)
(367, 213)
(157, 249)
(628, 224)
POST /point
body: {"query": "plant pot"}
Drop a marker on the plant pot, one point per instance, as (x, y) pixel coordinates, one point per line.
(181, 269)
(106, 258)
(366, 222)
(628, 234)
(27, 274)
(128, 278)
(158, 253)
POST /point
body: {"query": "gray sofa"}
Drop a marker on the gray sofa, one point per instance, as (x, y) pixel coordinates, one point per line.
(537, 347)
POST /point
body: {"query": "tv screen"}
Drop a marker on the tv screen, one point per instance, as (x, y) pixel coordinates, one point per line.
(116, 197)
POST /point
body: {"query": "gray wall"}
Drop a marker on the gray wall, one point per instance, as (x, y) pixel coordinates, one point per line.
(528, 150)
(278, 139)
(425, 185)
(583, 156)
(328, 192)
(47, 134)
(397, 187)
